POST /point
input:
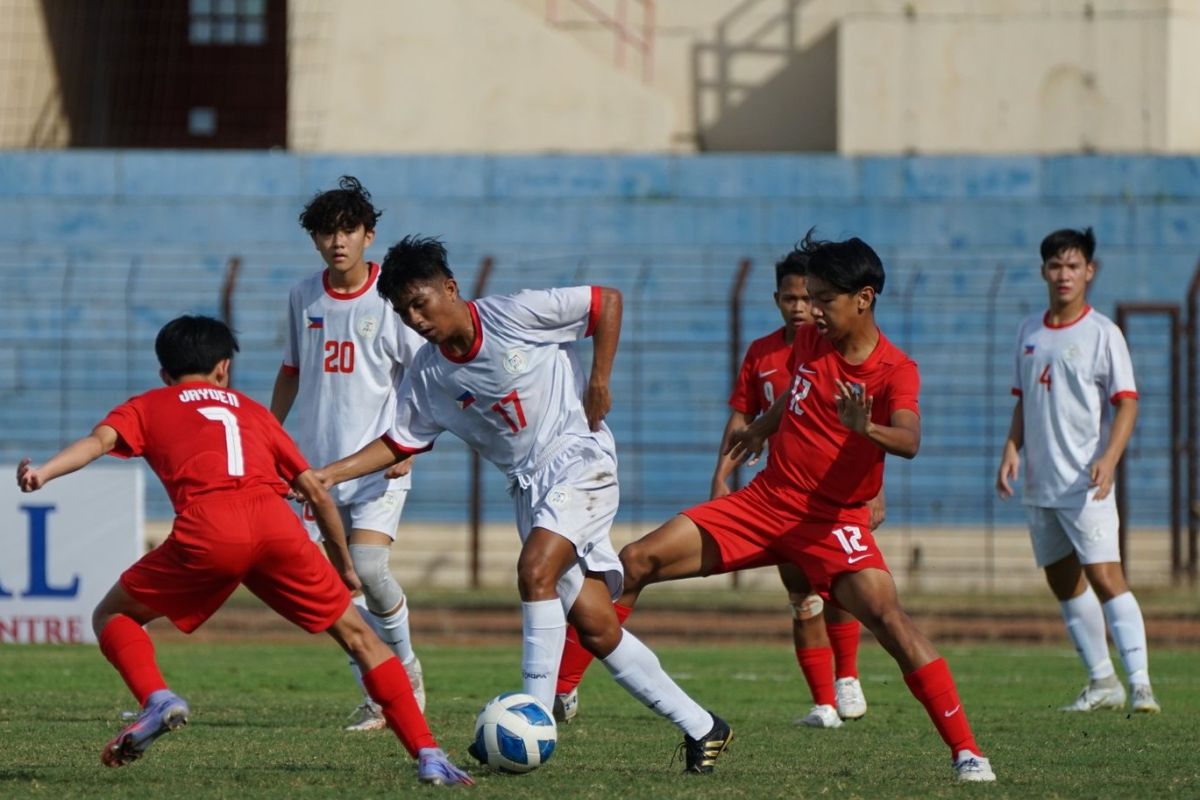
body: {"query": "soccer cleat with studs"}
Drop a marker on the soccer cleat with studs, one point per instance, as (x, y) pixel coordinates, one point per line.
(367, 717)
(701, 754)
(821, 716)
(1141, 699)
(851, 702)
(164, 712)
(972, 768)
(435, 768)
(566, 706)
(1097, 695)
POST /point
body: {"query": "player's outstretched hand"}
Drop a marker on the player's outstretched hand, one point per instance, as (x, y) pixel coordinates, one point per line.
(28, 477)
(853, 405)
(597, 401)
(745, 445)
(1010, 465)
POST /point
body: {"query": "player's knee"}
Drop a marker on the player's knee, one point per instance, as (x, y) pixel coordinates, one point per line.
(536, 579)
(382, 592)
(638, 567)
(806, 606)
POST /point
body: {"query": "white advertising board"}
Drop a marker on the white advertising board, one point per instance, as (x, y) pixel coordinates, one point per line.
(63, 547)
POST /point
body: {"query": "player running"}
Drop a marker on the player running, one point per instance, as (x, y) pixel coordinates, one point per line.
(1076, 406)
(853, 398)
(221, 456)
(822, 640)
(345, 356)
(503, 376)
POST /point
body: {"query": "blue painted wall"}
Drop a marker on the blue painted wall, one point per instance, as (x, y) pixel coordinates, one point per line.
(100, 248)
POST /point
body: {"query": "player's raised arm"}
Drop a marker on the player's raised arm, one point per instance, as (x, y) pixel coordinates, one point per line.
(598, 399)
(373, 457)
(1010, 458)
(74, 456)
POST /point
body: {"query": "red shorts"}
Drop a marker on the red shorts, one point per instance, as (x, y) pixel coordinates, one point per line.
(252, 538)
(757, 526)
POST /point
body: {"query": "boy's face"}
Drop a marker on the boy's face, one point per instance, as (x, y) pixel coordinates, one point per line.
(429, 308)
(793, 301)
(342, 250)
(1067, 275)
(837, 313)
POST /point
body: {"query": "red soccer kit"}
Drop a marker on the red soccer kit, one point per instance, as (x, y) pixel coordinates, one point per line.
(221, 457)
(765, 375)
(809, 505)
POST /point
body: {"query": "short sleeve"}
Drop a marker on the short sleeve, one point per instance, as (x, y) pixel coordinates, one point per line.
(744, 398)
(129, 421)
(1119, 367)
(550, 315)
(414, 429)
(291, 348)
(905, 389)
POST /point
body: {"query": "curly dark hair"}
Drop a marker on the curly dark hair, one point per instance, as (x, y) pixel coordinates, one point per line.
(343, 208)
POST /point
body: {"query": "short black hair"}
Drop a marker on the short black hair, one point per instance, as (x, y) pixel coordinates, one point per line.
(794, 263)
(413, 259)
(847, 266)
(1069, 239)
(340, 209)
(190, 345)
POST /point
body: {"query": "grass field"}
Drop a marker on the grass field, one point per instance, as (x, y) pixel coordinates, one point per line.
(266, 723)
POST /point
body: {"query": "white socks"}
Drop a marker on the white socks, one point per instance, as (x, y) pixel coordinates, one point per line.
(1124, 617)
(1085, 625)
(635, 667)
(393, 630)
(545, 632)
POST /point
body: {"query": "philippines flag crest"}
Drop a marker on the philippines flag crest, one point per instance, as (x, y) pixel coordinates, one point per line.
(316, 322)
(1028, 349)
(465, 400)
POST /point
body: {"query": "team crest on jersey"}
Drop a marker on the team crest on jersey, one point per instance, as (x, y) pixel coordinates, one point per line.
(1072, 353)
(515, 362)
(465, 400)
(367, 326)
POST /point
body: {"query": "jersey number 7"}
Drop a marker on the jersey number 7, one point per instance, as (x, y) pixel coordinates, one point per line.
(233, 437)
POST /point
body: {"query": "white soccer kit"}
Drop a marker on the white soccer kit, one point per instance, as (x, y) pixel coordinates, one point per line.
(1068, 378)
(351, 352)
(516, 398)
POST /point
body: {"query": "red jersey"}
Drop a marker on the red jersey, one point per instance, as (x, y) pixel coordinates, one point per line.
(201, 439)
(764, 376)
(818, 455)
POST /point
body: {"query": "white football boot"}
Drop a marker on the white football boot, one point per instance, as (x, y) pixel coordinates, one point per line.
(1106, 693)
(851, 702)
(367, 717)
(566, 706)
(822, 716)
(970, 768)
(1141, 699)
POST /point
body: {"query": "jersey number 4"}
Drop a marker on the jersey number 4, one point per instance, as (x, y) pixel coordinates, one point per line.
(1044, 378)
(514, 425)
(233, 437)
(339, 356)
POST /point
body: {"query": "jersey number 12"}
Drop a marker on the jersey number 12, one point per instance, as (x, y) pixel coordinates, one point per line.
(233, 437)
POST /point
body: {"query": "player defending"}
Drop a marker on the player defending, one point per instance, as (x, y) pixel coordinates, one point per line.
(821, 640)
(1076, 405)
(346, 354)
(220, 456)
(503, 376)
(853, 398)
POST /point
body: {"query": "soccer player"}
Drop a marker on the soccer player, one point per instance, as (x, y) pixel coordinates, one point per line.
(345, 356)
(221, 457)
(853, 398)
(1076, 406)
(821, 640)
(501, 373)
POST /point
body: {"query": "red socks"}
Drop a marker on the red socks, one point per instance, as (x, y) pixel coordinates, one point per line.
(817, 665)
(128, 648)
(576, 658)
(933, 685)
(388, 686)
(844, 638)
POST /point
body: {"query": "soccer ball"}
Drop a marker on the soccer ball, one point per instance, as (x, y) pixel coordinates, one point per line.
(514, 733)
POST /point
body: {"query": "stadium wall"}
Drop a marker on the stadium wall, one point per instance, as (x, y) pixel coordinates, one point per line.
(100, 248)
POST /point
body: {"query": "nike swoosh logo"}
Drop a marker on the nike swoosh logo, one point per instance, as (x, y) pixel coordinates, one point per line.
(768, 372)
(855, 559)
(952, 711)
(805, 370)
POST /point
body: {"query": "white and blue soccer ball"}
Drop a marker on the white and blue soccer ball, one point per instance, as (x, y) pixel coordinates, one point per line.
(515, 733)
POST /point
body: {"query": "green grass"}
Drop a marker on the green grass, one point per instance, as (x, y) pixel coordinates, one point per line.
(267, 724)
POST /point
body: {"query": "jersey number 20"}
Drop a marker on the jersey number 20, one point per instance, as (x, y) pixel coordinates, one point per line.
(233, 437)
(339, 356)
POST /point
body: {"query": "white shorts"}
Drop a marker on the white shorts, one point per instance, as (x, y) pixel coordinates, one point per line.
(381, 514)
(1090, 532)
(575, 495)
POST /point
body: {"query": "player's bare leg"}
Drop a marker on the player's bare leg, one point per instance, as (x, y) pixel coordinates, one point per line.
(1089, 595)
(545, 556)
(678, 549)
(871, 596)
(118, 622)
(388, 684)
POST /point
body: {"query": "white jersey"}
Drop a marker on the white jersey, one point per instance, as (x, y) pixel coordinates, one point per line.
(350, 351)
(516, 397)
(1068, 378)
